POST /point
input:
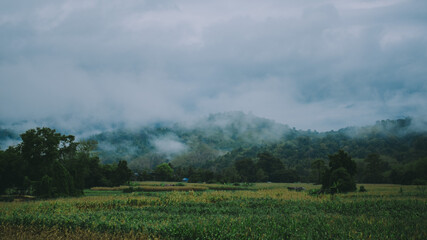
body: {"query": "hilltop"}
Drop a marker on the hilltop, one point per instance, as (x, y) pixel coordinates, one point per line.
(215, 142)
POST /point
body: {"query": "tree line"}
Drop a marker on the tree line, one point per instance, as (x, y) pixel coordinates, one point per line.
(391, 151)
(265, 168)
(49, 164)
(336, 174)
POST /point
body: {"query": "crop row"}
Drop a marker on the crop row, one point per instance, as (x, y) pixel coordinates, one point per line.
(226, 215)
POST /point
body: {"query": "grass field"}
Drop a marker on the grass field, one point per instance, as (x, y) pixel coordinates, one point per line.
(157, 210)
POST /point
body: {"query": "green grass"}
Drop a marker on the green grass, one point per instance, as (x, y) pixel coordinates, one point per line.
(89, 192)
(266, 211)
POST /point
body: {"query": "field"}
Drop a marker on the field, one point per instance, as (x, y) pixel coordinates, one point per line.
(154, 210)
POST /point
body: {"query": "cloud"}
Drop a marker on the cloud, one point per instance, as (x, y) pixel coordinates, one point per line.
(320, 65)
(169, 145)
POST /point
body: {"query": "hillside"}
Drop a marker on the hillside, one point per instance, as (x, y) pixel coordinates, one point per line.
(217, 141)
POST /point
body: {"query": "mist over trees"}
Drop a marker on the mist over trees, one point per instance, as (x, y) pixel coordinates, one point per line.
(233, 146)
(229, 147)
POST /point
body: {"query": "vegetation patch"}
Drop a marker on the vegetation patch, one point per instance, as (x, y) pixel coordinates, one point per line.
(267, 211)
(163, 189)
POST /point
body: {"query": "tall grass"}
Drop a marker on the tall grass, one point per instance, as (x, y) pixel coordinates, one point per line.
(266, 211)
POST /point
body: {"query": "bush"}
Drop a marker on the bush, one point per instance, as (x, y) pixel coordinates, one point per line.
(362, 189)
(343, 180)
(339, 177)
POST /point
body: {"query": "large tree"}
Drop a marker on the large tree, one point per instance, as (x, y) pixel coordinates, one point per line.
(374, 168)
(269, 164)
(164, 172)
(246, 169)
(49, 164)
(44, 151)
(339, 176)
(122, 173)
(11, 170)
(319, 168)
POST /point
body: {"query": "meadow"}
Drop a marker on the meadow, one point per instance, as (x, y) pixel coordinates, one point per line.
(154, 210)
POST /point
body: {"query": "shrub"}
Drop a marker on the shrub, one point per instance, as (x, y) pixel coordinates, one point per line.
(344, 181)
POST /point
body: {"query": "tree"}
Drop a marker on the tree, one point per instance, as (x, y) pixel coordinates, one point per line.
(269, 164)
(396, 176)
(319, 168)
(261, 176)
(374, 168)
(284, 175)
(342, 159)
(246, 169)
(11, 170)
(44, 152)
(163, 172)
(342, 180)
(230, 175)
(339, 176)
(122, 173)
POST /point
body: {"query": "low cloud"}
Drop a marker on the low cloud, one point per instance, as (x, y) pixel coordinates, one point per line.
(321, 65)
(169, 145)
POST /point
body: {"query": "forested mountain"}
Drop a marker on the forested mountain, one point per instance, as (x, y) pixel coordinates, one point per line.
(216, 144)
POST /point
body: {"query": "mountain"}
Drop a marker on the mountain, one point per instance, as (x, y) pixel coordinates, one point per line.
(216, 134)
(217, 141)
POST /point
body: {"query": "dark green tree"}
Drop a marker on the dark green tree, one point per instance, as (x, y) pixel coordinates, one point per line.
(44, 152)
(339, 176)
(41, 147)
(284, 175)
(163, 172)
(342, 159)
(11, 170)
(374, 168)
(246, 169)
(318, 168)
(342, 181)
(396, 176)
(261, 176)
(269, 164)
(122, 173)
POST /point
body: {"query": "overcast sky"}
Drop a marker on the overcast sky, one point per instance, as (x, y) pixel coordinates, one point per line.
(310, 64)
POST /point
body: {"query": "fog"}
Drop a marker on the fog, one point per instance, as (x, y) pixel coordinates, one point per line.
(86, 67)
(169, 145)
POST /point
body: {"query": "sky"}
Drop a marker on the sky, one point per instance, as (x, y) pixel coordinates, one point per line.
(318, 64)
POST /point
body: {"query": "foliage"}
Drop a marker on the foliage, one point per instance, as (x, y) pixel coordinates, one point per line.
(219, 140)
(339, 176)
(246, 169)
(390, 151)
(41, 157)
(268, 211)
(164, 172)
(49, 164)
(374, 169)
(318, 168)
(341, 180)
